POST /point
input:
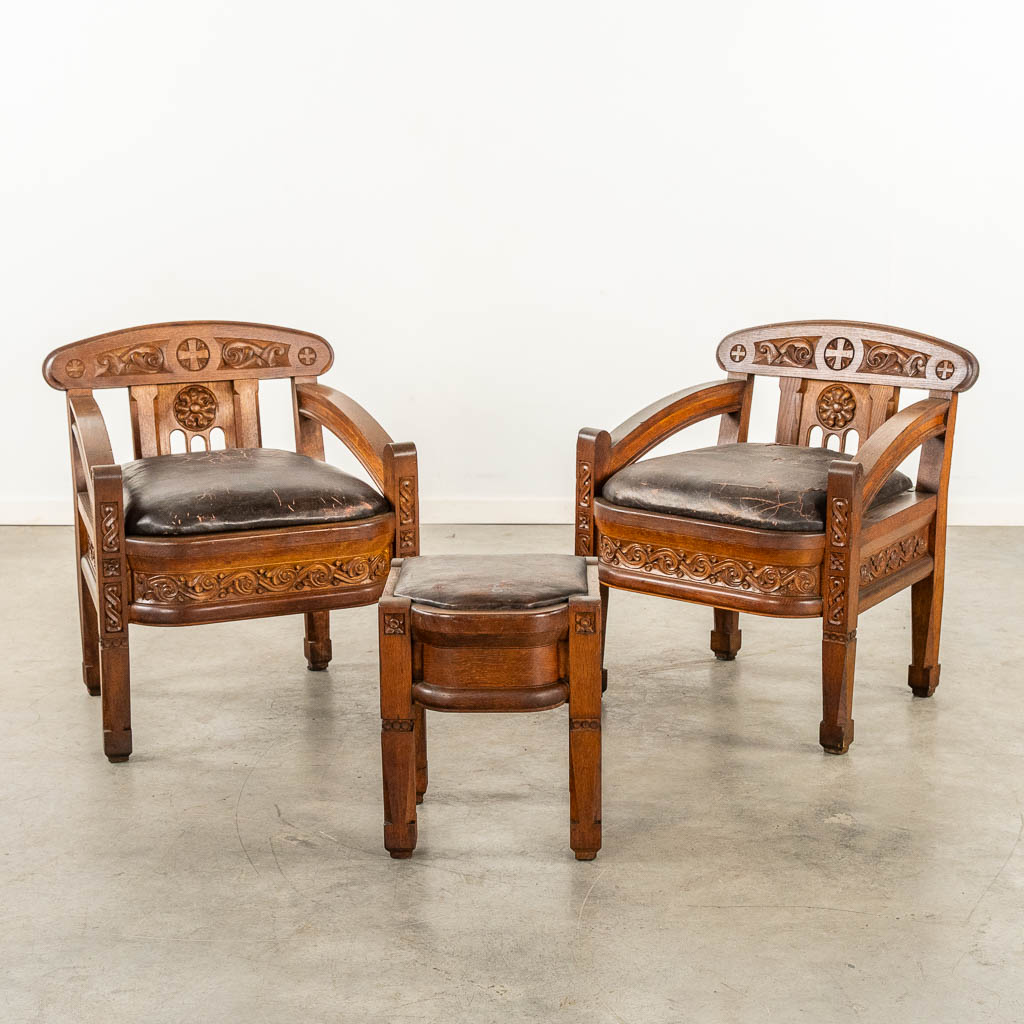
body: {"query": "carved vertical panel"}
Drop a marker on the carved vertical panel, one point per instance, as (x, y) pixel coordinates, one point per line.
(584, 508)
(408, 543)
(109, 564)
(842, 554)
(838, 407)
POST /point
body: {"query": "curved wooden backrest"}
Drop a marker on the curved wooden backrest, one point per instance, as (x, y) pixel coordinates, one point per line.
(846, 350)
(192, 378)
(840, 379)
(197, 350)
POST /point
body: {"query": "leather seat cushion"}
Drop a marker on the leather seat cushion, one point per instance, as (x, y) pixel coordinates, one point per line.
(240, 489)
(486, 583)
(766, 486)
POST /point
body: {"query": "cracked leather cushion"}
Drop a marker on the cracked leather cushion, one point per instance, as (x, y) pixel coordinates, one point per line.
(239, 489)
(487, 583)
(767, 486)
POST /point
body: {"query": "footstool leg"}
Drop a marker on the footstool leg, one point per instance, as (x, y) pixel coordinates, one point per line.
(397, 737)
(585, 629)
(420, 732)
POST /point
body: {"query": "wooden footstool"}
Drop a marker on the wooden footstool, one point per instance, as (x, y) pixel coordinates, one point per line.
(489, 633)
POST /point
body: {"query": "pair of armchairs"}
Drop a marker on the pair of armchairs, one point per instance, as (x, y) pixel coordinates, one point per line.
(226, 529)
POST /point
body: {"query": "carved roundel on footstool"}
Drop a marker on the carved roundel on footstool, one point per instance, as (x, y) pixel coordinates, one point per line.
(195, 407)
(836, 406)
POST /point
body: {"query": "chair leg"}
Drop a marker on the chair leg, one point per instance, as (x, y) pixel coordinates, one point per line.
(115, 696)
(398, 762)
(926, 623)
(604, 634)
(318, 640)
(420, 732)
(838, 658)
(726, 636)
(398, 714)
(584, 732)
(90, 638)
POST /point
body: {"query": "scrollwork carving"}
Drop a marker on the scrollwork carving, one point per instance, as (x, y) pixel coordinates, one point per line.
(142, 359)
(892, 360)
(893, 558)
(110, 527)
(248, 354)
(797, 352)
(839, 523)
(733, 573)
(406, 514)
(240, 584)
(113, 612)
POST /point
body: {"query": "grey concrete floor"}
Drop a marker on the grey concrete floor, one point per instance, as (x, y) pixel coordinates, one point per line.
(233, 870)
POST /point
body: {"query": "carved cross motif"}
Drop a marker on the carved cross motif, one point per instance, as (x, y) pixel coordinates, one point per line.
(738, 353)
(307, 355)
(839, 353)
(944, 370)
(193, 353)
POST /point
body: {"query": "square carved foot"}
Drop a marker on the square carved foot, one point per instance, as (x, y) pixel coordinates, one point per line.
(923, 681)
(726, 645)
(91, 678)
(835, 739)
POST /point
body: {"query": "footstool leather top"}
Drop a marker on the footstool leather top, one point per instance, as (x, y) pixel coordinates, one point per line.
(491, 582)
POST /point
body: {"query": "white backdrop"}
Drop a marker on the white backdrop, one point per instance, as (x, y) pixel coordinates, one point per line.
(511, 219)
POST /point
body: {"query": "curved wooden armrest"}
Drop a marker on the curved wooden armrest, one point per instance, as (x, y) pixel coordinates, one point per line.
(90, 431)
(349, 422)
(640, 433)
(90, 440)
(894, 440)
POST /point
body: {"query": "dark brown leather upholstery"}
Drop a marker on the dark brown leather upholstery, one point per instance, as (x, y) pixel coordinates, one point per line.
(239, 489)
(767, 486)
(487, 583)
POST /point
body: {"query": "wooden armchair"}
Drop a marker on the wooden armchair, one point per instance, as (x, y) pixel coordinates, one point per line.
(794, 529)
(227, 529)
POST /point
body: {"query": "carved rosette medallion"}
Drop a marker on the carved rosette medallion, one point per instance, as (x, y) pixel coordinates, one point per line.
(193, 354)
(836, 407)
(585, 622)
(698, 567)
(195, 407)
(74, 368)
(394, 625)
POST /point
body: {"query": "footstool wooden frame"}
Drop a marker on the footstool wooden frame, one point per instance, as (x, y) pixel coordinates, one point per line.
(522, 659)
